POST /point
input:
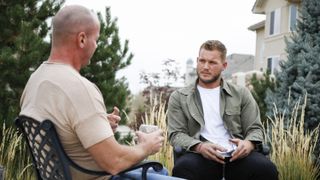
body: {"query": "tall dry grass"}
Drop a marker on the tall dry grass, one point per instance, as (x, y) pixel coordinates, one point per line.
(156, 115)
(292, 146)
(14, 155)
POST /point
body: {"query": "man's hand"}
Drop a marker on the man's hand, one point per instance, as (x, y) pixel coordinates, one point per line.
(244, 148)
(152, 142)
(114, 119)
(210, 151)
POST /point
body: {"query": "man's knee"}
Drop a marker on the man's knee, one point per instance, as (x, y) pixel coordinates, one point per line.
(265, 168)
(187, 166)
(268, 168)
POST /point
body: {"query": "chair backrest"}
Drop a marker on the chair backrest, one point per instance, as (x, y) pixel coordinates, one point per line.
(48, 156)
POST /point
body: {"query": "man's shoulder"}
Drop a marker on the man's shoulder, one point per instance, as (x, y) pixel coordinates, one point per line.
(62, 77)
(234, 88)
(185, 91)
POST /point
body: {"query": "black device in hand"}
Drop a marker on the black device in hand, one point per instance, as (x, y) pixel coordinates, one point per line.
(227, 155)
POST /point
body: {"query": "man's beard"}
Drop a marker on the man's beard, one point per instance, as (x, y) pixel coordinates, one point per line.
(208, 81)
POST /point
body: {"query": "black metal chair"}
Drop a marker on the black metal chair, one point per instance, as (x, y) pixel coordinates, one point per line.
(49, 158)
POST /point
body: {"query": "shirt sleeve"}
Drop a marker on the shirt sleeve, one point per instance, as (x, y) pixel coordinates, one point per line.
(93, 130)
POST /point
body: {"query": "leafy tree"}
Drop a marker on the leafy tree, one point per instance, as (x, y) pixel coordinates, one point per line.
(260, 86)
(22, 47)
(109, 58)
(159, 86)
(300, 74)
(161, 83)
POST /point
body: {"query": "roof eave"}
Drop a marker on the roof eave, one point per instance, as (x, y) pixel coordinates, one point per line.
(256, 9)
(257, 26)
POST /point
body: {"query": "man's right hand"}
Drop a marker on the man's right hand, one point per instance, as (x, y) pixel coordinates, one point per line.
(152, 142)
(210, 151)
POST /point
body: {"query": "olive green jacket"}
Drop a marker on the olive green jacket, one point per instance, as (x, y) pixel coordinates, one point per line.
(238, 109)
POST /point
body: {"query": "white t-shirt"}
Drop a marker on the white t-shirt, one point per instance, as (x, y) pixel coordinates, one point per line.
(58, 92)
(214, 130)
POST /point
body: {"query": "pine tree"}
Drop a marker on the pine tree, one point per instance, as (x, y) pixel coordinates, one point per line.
(22, 47)
(110, 57)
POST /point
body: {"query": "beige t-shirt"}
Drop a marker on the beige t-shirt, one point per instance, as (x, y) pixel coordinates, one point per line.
(58, 92)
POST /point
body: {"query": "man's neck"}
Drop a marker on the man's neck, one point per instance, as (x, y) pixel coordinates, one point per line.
(64, 57)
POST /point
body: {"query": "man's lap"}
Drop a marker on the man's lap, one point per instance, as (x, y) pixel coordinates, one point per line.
(151, 175)
(196, 166)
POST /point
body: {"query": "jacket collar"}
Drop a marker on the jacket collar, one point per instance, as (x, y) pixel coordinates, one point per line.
(225, 87)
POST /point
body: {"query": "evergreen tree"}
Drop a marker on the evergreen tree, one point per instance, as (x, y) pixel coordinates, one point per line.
(22, 47)
(260, 86)
(110, 57)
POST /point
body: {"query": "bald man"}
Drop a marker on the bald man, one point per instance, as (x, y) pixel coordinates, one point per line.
(57, 91)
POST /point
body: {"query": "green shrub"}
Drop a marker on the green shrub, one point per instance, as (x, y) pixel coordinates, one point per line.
(292, 147)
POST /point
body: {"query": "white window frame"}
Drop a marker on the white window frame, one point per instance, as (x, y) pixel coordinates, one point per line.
(274, 66)
(274, 22)
(290, 16)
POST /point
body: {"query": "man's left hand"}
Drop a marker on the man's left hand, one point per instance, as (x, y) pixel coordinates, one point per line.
(244, 148)
(114, 119)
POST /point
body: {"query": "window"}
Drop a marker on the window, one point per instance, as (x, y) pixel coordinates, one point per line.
(274, 22)
(293, 15)
(273, 64)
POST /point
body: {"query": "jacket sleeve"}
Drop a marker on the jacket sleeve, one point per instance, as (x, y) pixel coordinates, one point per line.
(178, 132)
(250, 115)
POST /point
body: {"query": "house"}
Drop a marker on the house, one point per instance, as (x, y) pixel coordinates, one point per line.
(238, 63)
(280, 22)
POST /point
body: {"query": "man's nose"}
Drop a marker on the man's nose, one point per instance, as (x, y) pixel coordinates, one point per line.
(206, 65)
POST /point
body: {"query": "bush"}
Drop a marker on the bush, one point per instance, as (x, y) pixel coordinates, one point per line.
(292, 147)
(14, 155)
(156, 115)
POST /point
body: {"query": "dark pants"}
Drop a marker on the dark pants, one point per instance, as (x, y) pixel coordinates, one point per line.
(194, 166)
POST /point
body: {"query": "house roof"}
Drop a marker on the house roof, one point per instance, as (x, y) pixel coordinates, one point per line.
(258, 4)
(256, 9)
(257, 26)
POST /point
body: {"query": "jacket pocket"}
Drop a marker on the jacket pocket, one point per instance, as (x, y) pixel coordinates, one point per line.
(233, 120)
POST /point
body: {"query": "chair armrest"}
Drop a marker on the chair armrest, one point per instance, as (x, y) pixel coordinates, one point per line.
(177, 152)
(145, 165)
(263, 149)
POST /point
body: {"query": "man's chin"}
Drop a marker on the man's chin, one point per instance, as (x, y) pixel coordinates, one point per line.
(208, 80)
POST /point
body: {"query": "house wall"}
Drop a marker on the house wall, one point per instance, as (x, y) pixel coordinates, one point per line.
(258, 62)
(272, 45)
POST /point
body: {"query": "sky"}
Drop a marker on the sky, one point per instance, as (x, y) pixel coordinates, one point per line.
(158, 30)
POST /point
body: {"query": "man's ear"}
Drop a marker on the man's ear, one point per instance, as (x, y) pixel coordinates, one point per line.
(225, 64)
(82, 38)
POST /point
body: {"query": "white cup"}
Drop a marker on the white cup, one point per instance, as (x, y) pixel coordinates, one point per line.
(146, 128)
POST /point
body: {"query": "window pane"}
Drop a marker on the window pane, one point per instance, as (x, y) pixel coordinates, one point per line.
(271, 23)
(277, 18)
(293, 17)
(269, 65)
